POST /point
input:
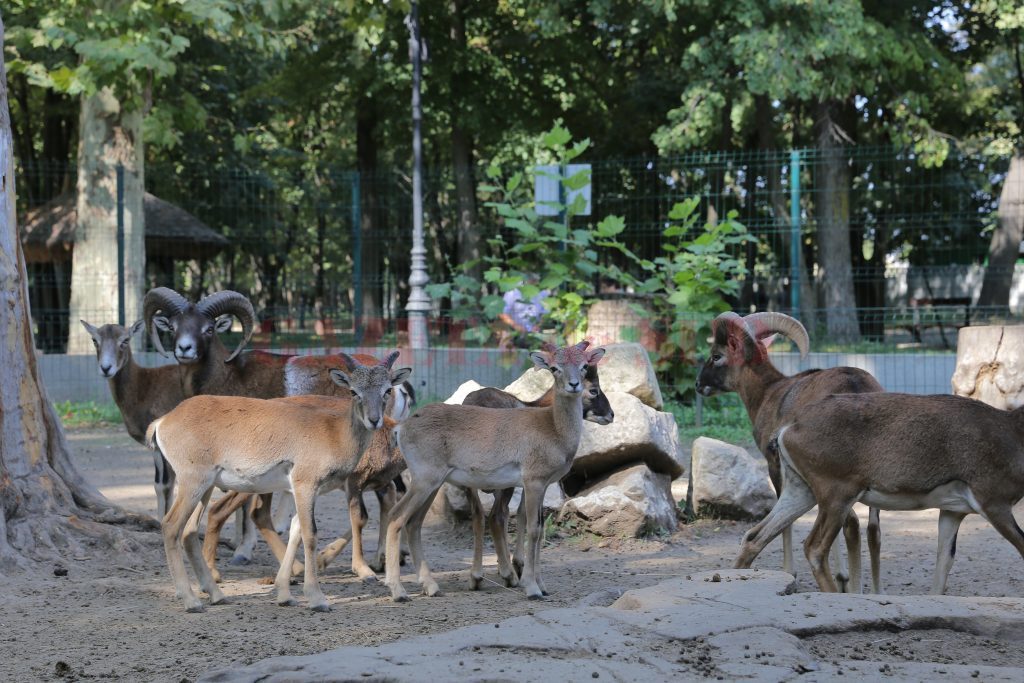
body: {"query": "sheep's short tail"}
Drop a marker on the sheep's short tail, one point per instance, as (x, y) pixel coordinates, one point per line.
(151, 434)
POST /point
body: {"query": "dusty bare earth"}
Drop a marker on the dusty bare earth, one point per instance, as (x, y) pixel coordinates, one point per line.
(114, 615)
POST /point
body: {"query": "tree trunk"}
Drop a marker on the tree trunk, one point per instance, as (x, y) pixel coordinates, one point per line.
(833, 212)
(462, 151)
(366, 160)
(46, 506)
(109, 136)
(1004, 248)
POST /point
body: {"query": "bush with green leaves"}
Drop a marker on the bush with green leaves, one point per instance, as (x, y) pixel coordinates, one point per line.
(534, 253)
(681, 289)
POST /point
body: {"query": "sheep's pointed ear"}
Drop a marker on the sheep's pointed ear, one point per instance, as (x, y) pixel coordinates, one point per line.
(595, 356)
(582, 346)
(400, 375)
(541, 360)
(339, 377)
(769, 340)
(136, 328)
(223, 324)
(89, 328)
(161, 323)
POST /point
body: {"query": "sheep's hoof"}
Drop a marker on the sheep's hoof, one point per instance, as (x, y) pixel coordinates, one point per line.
(287, 602)
(535, 596)
(511, 581)
(195, 608)
(401, 597)
(219, 600)
(240, 560)
(321, 607)
(476, 583)
(369, 578)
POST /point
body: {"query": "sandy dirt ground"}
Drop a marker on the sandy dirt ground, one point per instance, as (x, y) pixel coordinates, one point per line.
(114, 615)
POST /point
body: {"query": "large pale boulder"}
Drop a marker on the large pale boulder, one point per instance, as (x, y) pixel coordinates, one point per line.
(639, 434)
(627, 368)
(729, 482)
(632, 502)
(531, 385)
(465, 389)
(990, 365)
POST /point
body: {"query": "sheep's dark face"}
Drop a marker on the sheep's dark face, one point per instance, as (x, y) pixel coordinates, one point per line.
(113, 346)
(192, 331)
(731, 349)
(371, 387)
(596, 407)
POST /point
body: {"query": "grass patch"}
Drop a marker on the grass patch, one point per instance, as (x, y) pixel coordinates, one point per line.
(87, 413)
(723, 418)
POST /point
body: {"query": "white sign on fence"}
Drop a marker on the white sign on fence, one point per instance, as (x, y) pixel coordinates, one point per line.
(546, 186)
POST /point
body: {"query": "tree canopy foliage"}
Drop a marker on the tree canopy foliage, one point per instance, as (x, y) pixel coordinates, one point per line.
(258, 112)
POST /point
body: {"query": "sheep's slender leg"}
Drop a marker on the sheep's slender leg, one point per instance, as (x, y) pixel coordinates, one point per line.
(796, 499)
(357, 516)
(284, 575)
(414, 529)
(533, 500)
(261, 518)
(771, 456)
(283, 512)
(190, 492)
(386, 498)
(190, 539)
(245, 532)
(831, 515)
(851, 534)
(520, 553)
(1001, 517)
(163, 483)
(787, 551)
(539, 542)
(219, 513)
(498, 520)
(875, 550)
(949, 526)
(476, 571)
(305, 501)
(333, 549)
(410, 503)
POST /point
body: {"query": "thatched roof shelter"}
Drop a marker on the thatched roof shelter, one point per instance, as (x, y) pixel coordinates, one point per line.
(48, 231)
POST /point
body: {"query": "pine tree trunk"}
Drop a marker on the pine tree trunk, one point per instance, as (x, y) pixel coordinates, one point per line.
(109, 136)
(1004, 248)
(833, 213)
(46, 507)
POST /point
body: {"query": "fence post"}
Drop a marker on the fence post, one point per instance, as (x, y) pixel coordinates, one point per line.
(357, 258)
(794, 232)
(120, 245)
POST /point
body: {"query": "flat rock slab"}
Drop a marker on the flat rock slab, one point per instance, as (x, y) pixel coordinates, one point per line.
(731, 624)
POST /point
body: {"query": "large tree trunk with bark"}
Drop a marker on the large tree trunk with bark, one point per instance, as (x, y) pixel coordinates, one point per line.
(109, 136)
(47, 509)
(1004, 248)
(462, 150)
(833, 213)
(371, 229)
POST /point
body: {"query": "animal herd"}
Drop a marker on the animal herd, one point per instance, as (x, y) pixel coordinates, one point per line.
(256, 424)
